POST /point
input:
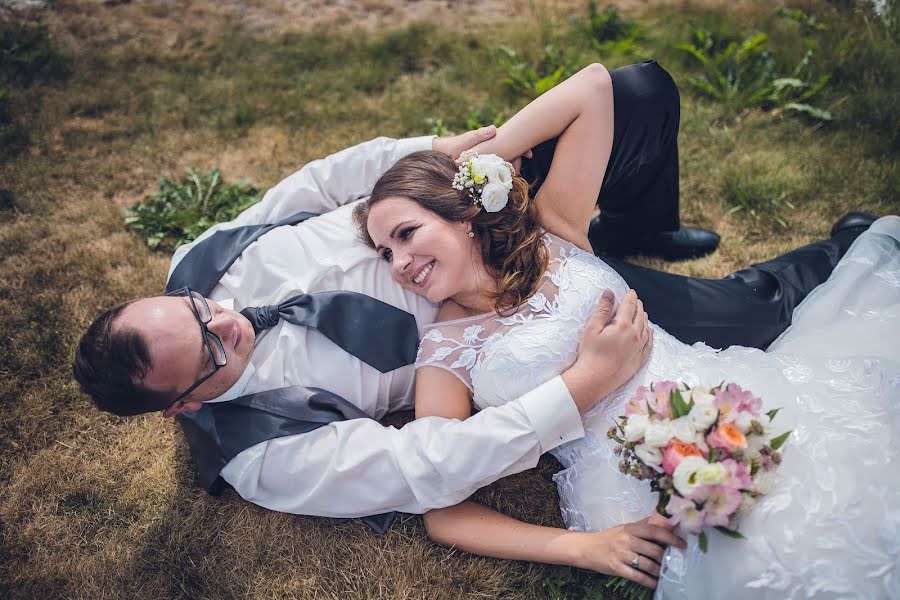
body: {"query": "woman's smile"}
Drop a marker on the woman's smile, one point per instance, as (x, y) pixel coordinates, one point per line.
(422, 276)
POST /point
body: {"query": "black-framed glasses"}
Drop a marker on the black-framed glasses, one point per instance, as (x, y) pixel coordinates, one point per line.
(214, 346)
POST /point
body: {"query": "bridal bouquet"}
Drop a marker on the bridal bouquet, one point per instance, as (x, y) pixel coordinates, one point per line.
(708, 452)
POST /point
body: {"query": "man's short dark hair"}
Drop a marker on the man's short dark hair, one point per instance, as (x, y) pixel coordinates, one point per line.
(110, 362)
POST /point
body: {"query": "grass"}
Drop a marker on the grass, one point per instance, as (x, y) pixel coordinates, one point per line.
(97, 507)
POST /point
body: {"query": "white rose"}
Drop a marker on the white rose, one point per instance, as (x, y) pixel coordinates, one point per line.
(658, 434)
(700, 397)
(494, 197)
(683, 429)
(483, 165)
(635, 427)
(500, 174)
(685, 476)
(764, 481)
(703, 415)
(711, 474)
(747, 502)
(651, 456)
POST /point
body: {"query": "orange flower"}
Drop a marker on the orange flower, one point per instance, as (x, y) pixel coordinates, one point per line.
(675, 452)
(727, 436)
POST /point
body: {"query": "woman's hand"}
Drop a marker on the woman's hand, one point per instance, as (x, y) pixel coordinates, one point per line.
(613, 550)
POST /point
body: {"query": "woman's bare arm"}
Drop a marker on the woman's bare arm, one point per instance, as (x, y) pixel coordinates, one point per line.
(481, 530)
(580, 112)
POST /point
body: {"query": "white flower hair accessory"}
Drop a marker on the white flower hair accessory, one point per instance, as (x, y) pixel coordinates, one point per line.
(486, 179)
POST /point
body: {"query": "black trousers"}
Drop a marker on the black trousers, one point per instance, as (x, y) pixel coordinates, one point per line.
(640, 193)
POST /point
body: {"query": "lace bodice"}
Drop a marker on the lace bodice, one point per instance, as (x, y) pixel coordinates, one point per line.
(532, 345)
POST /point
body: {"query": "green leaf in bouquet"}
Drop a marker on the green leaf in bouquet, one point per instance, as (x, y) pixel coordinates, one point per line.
(771, 414)
(779, 441)
(704, 542)
(680, 408)
(730, 532)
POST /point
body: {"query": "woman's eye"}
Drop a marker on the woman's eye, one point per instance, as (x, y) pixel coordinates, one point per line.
(405, 233)
(387, 255)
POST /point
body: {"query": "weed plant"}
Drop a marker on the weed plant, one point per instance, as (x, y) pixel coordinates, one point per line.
(182, 210)
(608, 31)
(531, 80)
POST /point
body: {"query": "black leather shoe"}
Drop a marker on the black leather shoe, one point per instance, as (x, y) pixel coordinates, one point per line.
(686, 242)
(853, 220)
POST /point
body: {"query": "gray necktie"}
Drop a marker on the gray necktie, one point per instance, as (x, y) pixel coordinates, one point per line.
(377, 333)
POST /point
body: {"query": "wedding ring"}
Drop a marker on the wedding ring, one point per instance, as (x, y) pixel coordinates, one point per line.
(636, 562)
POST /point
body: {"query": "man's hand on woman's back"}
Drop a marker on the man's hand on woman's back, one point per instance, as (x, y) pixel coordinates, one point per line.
(612, 349)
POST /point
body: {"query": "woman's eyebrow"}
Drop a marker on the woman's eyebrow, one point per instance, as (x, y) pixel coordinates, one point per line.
(393, 234)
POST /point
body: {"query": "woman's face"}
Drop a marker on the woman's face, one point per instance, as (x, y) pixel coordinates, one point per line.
(427, 255)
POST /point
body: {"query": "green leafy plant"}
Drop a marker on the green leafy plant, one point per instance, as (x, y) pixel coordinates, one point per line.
(182, 210)
(608, 31)
(483, 115)
(744, 74)
(437, 127)
(808, 23)
(530, 80)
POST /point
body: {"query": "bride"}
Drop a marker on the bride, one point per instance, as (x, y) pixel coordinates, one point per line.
(515, 299)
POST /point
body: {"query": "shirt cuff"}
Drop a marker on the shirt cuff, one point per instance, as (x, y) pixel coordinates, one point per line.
(410, 145)
(553, 414)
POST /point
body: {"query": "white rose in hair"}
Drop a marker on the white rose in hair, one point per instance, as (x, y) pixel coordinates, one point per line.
(483, 165)
(494, 197)
(500, 173)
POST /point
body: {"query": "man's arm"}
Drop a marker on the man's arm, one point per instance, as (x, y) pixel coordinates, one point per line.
(327, 183)
(359, 467)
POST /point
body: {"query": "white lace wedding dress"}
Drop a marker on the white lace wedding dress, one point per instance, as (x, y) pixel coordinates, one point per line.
(831, 526)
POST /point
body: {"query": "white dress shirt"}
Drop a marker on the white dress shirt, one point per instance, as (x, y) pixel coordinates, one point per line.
(359, 467)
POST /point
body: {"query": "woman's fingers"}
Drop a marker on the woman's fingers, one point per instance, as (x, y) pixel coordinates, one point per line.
(636, 575)
(657, 534)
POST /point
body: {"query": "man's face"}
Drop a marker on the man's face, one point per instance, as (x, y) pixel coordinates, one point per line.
(178, 352)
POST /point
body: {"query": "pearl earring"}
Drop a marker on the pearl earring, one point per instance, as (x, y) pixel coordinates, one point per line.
(471, 234)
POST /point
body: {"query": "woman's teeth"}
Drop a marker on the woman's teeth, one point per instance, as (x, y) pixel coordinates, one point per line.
(423, 273)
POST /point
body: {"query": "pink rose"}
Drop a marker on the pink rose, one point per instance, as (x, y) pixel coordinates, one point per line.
(727, 436)
(675, 452)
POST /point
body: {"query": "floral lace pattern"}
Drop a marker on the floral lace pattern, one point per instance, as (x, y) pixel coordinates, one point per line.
(831, 527)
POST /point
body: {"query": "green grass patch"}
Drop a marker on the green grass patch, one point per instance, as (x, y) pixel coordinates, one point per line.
(182, 210)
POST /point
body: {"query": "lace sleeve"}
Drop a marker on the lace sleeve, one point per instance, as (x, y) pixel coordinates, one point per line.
(452, 347)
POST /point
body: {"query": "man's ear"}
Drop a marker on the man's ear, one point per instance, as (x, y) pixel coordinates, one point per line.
(183, 406)
(175, 409)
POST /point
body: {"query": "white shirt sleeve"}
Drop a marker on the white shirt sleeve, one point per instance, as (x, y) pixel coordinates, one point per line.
(359, 467)
(322, 185)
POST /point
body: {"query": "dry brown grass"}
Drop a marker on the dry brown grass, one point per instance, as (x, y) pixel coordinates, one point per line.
(98, 507)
